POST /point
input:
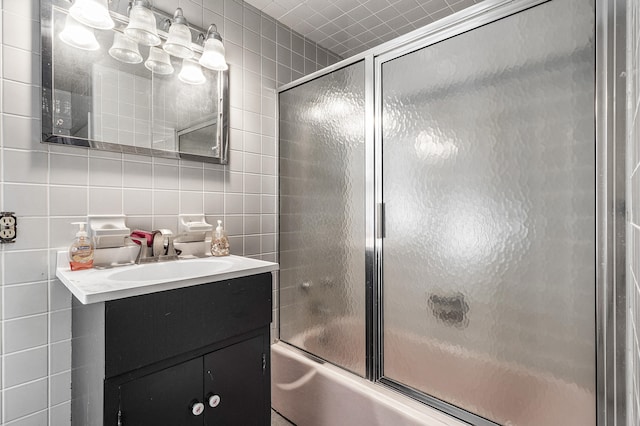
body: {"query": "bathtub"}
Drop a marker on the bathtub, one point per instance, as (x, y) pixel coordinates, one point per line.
(310, 392)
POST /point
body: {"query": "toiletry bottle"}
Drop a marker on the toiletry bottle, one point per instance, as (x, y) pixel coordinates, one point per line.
(81, 250)
(219, 241)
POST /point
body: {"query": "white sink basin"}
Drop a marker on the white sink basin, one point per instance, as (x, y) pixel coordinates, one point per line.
(100, 285)
(170, 271)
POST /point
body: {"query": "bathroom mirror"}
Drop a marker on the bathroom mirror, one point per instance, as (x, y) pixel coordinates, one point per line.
(90, 99)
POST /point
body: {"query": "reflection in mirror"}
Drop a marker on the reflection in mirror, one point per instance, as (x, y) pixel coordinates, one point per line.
(126, 97)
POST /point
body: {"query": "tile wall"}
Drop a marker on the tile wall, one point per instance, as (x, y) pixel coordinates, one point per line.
(50, 186)
(633, 211)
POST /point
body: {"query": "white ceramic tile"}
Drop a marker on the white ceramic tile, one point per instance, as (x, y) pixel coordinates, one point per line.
(60, 415)
(60, 388)
(213, 180)
(166, 202)
(233, 32)
(213, 203)
(252, 203)
(269, 165)
(105, 201)
(60, 325)
(269, 185)
(59, 295)
(105, 172)
(22, 133)
(269, 204)
(24, 333)
(20, 65)
(251, 245)
(268, 28)
(191, 202)
(138, 202)
(252, 42)
(67, 201)
(251, 224)
(60, 356)
(26, 399)
(165, 177)
(137, 175)
(234, 182)
(233, 204)
(269, 222)
(20, 31)
(25, 366)
(24, 300)
(26, 266)
(236, 245)
(20, 99)
(31, 234)
(26, 200)
(25, 166)
(191, 179)
(268, 243)
(68, 169)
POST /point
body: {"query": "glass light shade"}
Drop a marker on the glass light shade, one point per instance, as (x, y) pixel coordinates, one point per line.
(213, 55)
(191, 72)
(158, 62)
(94, 13)
(125, 50)
(142, 25)
(77, 35)
(178, 43)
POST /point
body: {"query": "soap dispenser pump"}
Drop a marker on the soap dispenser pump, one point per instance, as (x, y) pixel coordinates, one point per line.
(81, 250)
(219, 241)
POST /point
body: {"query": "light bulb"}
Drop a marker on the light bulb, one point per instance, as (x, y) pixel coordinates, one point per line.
(191, 72)
(77, 35)
(94, 13)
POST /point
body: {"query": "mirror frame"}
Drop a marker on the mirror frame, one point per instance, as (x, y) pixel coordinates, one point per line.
(48, 136)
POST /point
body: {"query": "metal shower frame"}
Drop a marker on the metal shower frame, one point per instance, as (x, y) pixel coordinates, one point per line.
(610, 127)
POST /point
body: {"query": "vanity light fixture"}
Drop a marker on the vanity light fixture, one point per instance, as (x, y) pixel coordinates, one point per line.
(159, 62)
(142, 24)
(93, 13)
(213, 54)
(77, 35)
(124, 49)
(191, 72)
(178, 43)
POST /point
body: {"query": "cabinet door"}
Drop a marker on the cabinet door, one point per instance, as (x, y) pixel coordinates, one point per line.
(163, 398)
(239, 376)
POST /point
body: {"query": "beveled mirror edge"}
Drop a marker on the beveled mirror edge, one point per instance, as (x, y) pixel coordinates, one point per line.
(48, 136)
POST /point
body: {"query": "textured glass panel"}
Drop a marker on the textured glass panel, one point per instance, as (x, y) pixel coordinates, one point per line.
(322, 275)
(489, 185)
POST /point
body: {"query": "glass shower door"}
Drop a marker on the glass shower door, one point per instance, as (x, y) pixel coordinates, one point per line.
(488, 159)
(322, 217)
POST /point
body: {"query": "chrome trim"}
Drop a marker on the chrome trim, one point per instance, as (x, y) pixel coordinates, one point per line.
(370, 219)
(610, 123)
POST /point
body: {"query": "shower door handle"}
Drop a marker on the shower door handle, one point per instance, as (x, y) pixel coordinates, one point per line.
(380, 228)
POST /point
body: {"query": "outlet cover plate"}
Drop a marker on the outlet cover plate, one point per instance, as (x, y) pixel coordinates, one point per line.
(8, 227)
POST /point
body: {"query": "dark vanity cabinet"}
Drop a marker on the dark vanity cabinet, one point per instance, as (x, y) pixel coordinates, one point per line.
(191, 356)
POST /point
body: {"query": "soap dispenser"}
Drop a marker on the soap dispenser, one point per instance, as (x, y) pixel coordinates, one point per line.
(219, 241)
(81, 250)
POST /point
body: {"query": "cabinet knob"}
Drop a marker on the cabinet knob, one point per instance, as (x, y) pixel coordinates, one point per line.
(197, 408)
(214, 400)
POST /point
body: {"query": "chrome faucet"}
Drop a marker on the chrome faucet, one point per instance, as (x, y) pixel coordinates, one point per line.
(160, 250)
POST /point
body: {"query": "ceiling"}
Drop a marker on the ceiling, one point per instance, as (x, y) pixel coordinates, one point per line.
(348, 27)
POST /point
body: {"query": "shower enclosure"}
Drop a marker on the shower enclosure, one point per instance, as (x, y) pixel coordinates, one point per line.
(439, 215)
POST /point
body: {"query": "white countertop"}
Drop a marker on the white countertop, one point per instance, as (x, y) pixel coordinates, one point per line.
(100, 285)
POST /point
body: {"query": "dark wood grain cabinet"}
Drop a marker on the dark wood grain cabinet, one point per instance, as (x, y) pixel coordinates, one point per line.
(192, 356)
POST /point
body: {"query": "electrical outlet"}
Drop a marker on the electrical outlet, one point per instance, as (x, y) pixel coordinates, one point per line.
(8, 225)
